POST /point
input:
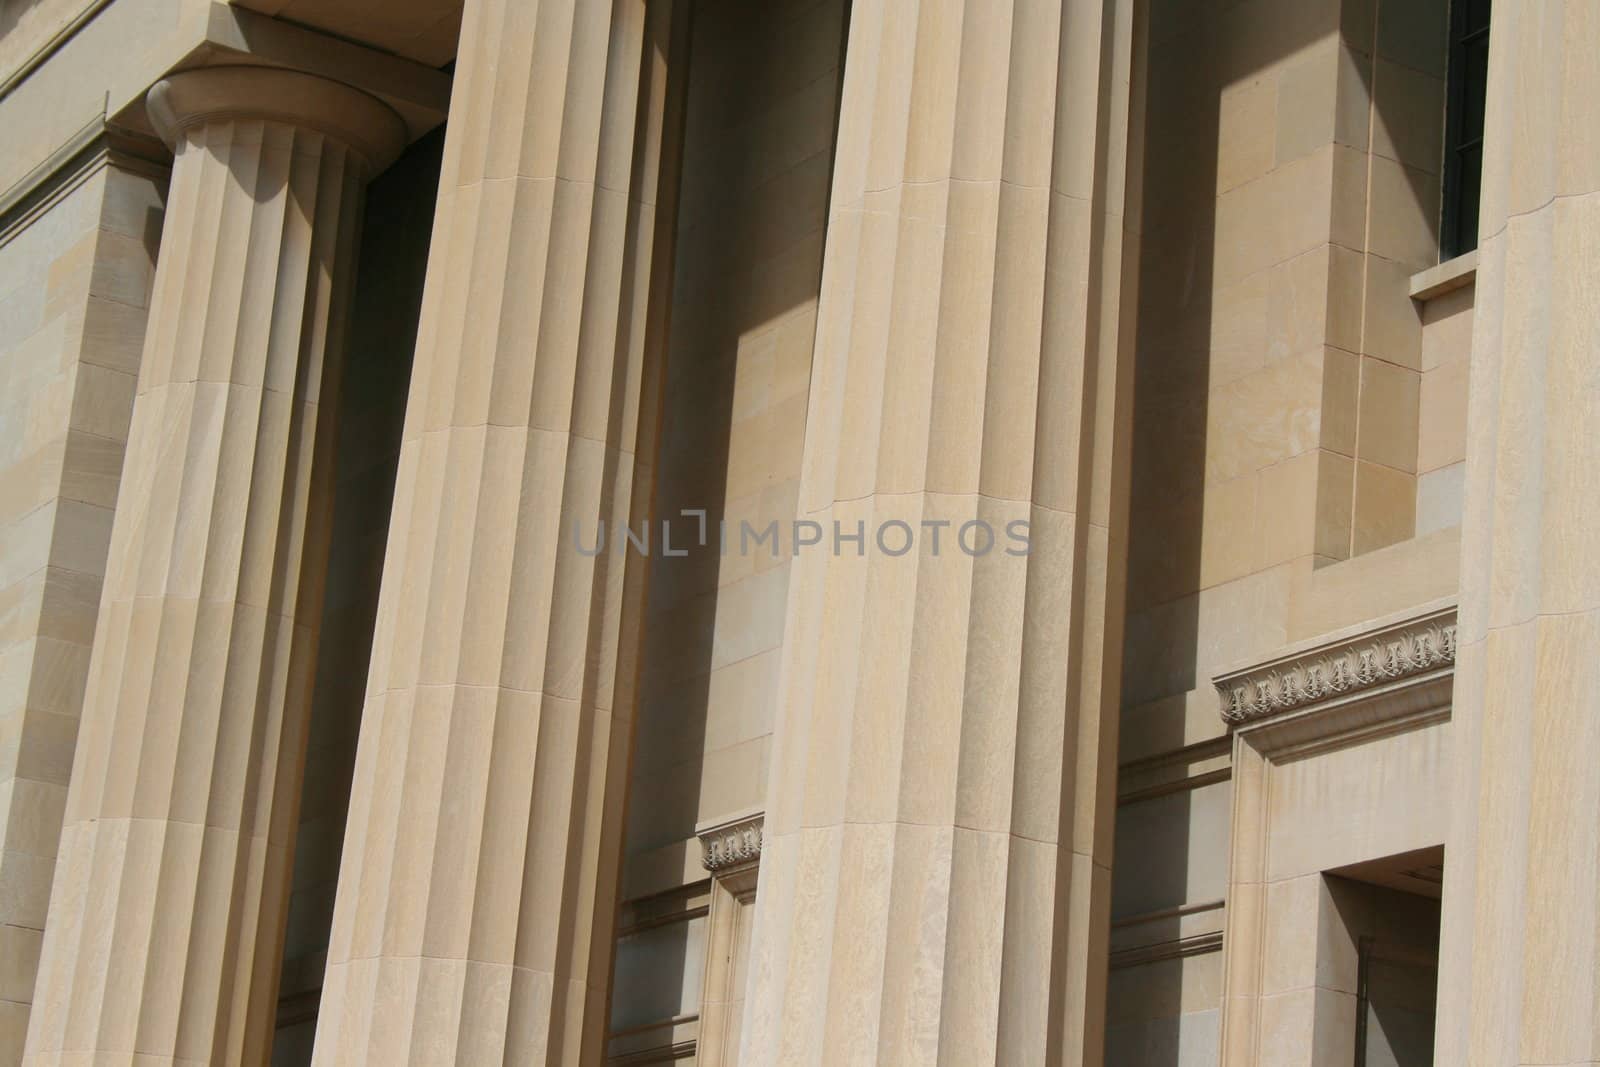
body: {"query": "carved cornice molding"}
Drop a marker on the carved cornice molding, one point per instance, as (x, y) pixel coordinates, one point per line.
(732, 844)
(51, 45)
(95, 146)
(1340, 668)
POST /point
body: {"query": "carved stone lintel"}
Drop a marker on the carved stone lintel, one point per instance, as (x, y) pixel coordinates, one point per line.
(731, 844)
(1366, 661)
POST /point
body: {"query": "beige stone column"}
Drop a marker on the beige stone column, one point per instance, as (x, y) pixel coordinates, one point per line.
(934, 886)
(477, 889)
(1520, 959)
(161, 943)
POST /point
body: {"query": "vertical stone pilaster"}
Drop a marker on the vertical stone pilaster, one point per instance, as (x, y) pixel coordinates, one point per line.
(936, 873)
(61, 444)
(164, 926)
(1520, 954)
(732, 856)
(477, 890)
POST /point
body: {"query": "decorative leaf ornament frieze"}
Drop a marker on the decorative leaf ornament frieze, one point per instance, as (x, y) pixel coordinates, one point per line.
(1343, 668)
(731, 844)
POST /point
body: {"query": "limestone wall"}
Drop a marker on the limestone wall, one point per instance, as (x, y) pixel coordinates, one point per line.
(758, 150)
(1299, 424)
(74, 290)
(26, 26)
(1442, 409)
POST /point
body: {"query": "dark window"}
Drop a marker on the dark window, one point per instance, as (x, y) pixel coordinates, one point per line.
(1463, 131)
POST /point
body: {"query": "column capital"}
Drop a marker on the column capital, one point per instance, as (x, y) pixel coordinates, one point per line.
(185, 776)
(193, 98)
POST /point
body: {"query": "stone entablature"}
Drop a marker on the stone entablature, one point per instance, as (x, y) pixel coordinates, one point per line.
(1341, 667)
(731, 843)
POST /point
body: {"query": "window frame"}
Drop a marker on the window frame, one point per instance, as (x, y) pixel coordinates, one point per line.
(1458, 220)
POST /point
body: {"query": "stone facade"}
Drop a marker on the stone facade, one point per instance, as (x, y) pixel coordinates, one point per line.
(812, 532)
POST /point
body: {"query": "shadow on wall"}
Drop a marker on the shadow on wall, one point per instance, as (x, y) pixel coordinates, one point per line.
(13, 12)
(762, 103)
(1387, 941)
(1258, 113)
(1150, 870)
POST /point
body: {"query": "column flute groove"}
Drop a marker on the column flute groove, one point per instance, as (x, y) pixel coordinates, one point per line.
(167, 914)
(1519, 974)
(477, 888)
(936, 870)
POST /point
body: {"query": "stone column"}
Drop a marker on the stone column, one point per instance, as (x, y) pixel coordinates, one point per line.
(935, 881)
(163, 933)
(1520, 958)
(477, 889)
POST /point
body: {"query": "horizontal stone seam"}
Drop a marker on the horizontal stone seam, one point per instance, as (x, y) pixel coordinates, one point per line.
(547, 179)
(421, 956)
(479, 685)
(169, 820)
(902, 493)
(309, 626)
(526, 428)
(952, 179)
(881, 823)
(1529, 212)
(1568, 614)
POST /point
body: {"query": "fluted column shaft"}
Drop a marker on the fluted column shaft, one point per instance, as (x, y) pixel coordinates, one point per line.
(163, 934)
(1520, 959)
(935, 879)
(478, 883)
